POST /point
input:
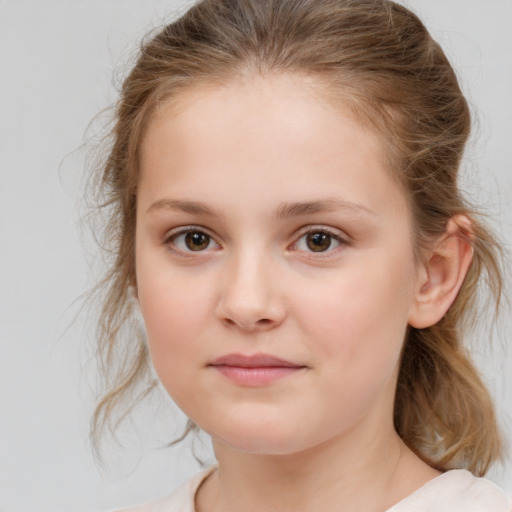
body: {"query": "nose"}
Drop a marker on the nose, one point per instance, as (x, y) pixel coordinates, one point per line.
(250, 298)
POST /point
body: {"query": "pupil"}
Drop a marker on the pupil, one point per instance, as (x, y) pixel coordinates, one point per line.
(197, 241)
(318, 242)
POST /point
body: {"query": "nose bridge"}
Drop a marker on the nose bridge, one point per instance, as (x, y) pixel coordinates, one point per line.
(249, 296)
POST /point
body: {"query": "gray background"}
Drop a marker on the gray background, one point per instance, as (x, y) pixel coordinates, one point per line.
(57, 59)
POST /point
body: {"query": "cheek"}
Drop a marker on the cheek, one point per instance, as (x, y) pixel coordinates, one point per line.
(359, 316)
(356, 328)
(175, 307)
(174, 321)
(170, 313)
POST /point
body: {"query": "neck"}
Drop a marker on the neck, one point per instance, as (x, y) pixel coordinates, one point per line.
(345, 473)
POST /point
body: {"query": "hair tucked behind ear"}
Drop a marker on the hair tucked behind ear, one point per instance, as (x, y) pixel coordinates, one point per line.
(443, 409)
(376, 57)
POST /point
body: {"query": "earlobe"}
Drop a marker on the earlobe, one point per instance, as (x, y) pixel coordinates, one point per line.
(443, 273)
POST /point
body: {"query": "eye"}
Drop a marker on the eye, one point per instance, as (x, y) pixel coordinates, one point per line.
(319, 240)
(191, 240)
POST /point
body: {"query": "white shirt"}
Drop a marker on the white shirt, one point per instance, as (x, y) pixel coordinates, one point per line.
(454, 491)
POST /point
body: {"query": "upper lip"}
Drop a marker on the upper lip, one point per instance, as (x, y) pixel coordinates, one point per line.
(254, 361)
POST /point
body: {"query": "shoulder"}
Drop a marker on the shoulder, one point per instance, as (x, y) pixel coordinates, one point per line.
(181, 500)
(456, 490)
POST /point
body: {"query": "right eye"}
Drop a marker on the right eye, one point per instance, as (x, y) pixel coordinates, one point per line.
(191, 240)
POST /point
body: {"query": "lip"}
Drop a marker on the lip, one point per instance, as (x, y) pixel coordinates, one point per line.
(255, 370)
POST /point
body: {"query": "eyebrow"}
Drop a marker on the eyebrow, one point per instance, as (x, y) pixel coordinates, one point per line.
(297, 209)
(191, 207)
(283, 211)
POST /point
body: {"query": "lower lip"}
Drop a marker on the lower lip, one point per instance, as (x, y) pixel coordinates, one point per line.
(260, 376)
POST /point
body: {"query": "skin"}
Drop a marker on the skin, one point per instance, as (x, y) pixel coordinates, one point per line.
(228, 162)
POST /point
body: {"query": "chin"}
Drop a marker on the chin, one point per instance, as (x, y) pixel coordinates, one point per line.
(262, 440)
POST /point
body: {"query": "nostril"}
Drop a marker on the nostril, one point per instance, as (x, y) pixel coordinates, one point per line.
(262, 323)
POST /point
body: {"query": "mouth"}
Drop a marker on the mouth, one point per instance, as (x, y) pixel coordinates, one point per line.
(255, 370)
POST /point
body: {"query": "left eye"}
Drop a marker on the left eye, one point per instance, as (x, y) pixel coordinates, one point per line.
(193, 240)
(318, 241)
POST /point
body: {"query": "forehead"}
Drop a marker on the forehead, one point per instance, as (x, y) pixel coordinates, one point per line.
(283, 129)
(245, 100)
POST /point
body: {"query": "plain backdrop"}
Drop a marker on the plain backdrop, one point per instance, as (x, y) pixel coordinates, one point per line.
(57, 62)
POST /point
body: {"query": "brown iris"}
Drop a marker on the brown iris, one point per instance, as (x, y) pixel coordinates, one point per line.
(318, 242)
(197, 241)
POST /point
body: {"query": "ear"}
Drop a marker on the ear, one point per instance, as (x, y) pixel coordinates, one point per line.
(441, 277)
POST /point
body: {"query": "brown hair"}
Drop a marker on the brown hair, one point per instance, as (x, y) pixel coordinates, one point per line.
(379, 59)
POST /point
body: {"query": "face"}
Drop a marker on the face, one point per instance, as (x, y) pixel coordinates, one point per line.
(275, 265)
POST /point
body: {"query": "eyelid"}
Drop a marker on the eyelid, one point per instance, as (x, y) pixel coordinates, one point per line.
(335, 233)
(183, 230)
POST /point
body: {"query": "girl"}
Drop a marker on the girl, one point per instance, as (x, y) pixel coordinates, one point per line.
(282, 185)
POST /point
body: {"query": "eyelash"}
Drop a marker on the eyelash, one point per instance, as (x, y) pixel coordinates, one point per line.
(334, 236)
(170, 240)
